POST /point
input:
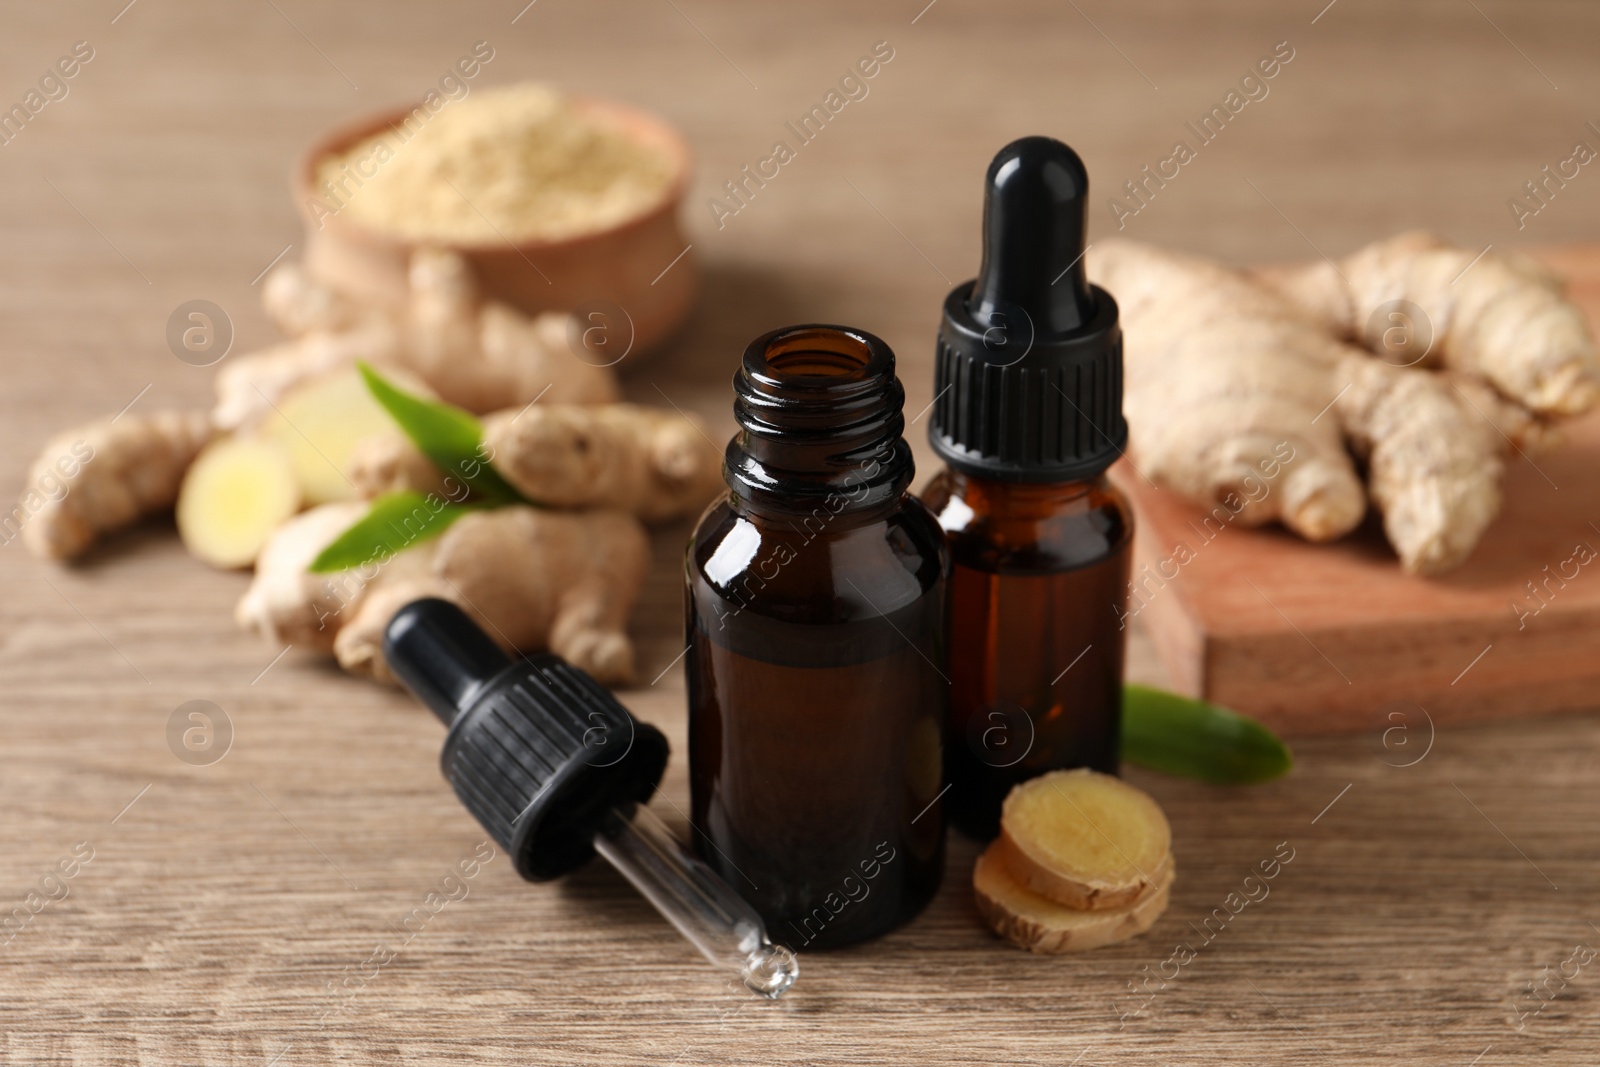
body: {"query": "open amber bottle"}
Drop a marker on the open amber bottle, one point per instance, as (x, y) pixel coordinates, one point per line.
(1028, 417)
(815, 615)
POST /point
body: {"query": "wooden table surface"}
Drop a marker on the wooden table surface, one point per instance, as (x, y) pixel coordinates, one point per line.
(1441, 902)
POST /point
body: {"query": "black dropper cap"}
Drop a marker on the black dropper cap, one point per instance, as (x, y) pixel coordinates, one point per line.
(1028, 373)
(538, 751)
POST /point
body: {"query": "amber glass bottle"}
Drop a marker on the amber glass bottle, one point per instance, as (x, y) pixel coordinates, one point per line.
(1028, 417)
(1038, 586)
(815, 604)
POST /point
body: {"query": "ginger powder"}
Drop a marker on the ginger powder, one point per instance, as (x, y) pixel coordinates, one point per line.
(512, 164)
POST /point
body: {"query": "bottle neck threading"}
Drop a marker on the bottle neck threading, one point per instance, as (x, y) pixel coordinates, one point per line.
(820, 416)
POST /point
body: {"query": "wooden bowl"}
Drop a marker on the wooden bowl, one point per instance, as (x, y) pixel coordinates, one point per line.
(630, 273)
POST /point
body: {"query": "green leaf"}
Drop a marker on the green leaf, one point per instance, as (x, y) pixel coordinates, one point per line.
(1194, 739)
(450, 437)
(395, 522)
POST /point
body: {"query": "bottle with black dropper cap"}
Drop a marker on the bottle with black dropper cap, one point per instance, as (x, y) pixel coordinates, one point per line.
(1028, 417)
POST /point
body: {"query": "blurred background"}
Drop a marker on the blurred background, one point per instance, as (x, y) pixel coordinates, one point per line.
(163, 175)
(223, 900)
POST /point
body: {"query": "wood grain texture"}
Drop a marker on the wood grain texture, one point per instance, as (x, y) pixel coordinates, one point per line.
(222, 901)
(1332, 638)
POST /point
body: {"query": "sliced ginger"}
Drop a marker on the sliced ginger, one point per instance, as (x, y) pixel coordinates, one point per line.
(1042, 925)
(238, 491)
(1084, 839)
(320, 422)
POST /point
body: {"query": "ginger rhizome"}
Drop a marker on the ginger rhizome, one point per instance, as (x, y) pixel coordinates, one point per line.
(296, 426)
(1237, 380)
(1084, 839)
(660, 465)
(478, 354)
(532, 578)
(107, 475)
(1048, 927)
(1498, 318)
(321, 422)
(1083, 859)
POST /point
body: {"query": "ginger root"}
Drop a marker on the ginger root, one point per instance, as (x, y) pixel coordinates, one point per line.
(101, 477)
(534, 579)
(1225, 385)
(1083, 859)
(286, 603)
(483, 355)
(248, 387)
(297, 421)
(300, 304)
(234, 495)
(1433, 465)
(1042, 925)
(477, 354)
(1498, 318)
(1085, 840)
(389, 463)
(657, 464)
(322, 421)
(1245, 389)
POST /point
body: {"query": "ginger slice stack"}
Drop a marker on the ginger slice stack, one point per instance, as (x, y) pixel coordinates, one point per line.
(1083, 860)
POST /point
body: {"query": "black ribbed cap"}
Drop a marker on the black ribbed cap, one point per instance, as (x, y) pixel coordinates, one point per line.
(1028, 371)
(538, 751)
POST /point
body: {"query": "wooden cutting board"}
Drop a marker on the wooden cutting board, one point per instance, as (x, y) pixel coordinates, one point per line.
(1334, 638)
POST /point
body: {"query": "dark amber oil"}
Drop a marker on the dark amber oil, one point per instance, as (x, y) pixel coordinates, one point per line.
(815, 615)
(1027, 415)
(1038, 596)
